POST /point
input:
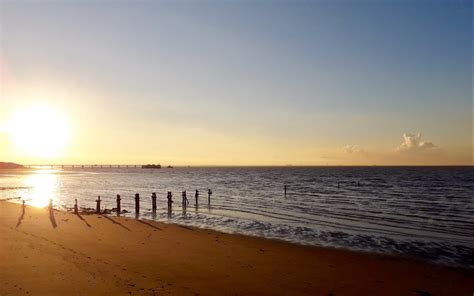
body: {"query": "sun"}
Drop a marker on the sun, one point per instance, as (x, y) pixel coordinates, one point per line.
(39, 131)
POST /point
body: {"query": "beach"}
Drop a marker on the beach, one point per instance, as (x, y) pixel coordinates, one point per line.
(60, 253)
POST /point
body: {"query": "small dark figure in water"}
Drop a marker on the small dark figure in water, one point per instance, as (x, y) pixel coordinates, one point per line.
(286, 188)
(76, 208)
(196, 196)
(358, 184)
(185, 199)
(137, 203)
(98, 205)
(153, 201)
(338, 186)
(119, 210)
(209, 193)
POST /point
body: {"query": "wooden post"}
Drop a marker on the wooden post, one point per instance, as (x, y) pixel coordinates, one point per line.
(137, 203)
(196, 196)
(185, 199)
(170, 202)
(76, 208)
(209, 193)
(119, 210)
(170, 199)
(98, 205)
(153, 202)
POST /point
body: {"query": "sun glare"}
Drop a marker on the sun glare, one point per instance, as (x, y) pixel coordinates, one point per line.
(39, 131)
(44, 186)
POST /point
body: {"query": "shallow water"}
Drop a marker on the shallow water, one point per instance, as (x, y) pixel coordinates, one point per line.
(421, 212)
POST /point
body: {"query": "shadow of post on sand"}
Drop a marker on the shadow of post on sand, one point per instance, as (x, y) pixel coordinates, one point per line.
(22, 214)
(116, 223)
(82, 219)
(148, 224)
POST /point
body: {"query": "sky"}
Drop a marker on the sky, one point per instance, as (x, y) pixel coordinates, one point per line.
(236, 82)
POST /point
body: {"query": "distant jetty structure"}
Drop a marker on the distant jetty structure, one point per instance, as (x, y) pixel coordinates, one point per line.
(83, 166)
(151, 166)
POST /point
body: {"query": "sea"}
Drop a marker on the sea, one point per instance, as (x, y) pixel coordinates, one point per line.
(426, 213)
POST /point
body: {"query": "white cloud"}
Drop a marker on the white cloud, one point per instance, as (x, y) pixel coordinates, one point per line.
(352, 149)
(413, 143)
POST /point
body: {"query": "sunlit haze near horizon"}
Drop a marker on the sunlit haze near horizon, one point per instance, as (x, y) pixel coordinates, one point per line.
(236, 82)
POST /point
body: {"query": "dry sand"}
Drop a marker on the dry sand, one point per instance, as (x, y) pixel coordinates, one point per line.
(99, 255)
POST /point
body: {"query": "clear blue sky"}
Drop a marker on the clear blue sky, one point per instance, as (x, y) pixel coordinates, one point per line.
(310, 77)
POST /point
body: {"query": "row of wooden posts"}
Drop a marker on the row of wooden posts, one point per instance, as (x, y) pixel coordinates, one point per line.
(185, 201)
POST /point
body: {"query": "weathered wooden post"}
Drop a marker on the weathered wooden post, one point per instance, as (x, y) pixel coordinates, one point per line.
(209, 193)
(170, 199)
(286, 188)
(196, 196)
(185, 199)
(98, 205)
(153, 202)
(76, 208)
(170, 202)
(137, 203)
(119, 210)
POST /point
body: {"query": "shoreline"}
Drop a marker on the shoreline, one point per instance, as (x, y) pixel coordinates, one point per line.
(130, 215)
(102, 254)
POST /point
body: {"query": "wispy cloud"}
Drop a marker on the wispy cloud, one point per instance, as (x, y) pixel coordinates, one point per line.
(414, 143)
(352, 149)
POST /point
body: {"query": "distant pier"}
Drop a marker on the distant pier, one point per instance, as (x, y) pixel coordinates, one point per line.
(83, 166)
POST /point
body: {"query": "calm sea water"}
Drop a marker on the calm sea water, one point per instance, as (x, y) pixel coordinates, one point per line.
(421, 212)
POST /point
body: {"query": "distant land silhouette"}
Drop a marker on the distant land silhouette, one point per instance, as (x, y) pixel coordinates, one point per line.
(10, 165)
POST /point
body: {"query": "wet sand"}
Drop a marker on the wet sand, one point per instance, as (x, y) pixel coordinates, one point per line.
(58, 253)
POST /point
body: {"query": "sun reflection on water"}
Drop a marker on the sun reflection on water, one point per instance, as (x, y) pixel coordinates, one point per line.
(43, 187)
